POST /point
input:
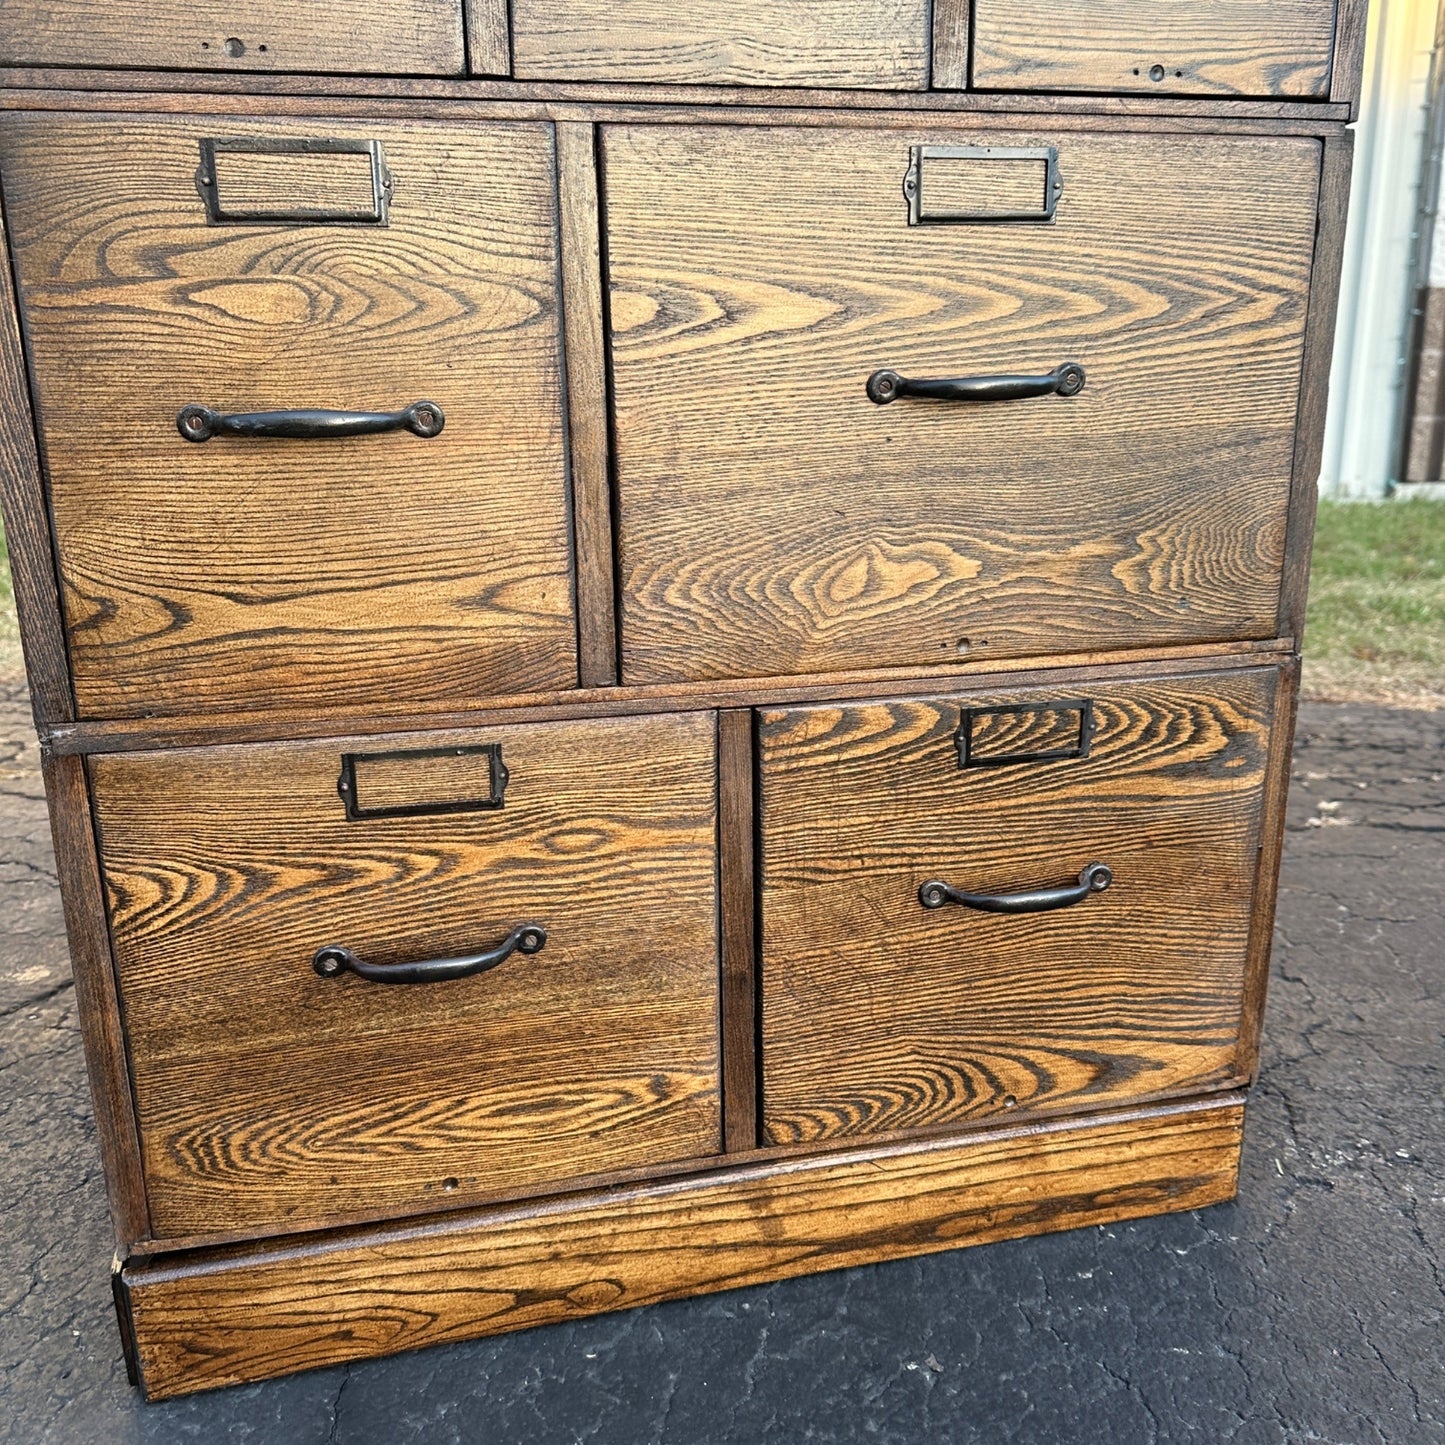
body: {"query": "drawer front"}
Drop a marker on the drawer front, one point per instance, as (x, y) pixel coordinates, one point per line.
(879, 1013)
(847, 43)
(1274, 48)
(247, 572)
(774, 519)
(270, 1095)
(382, 37)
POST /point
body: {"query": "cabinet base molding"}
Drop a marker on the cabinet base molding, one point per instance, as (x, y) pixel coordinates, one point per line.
(224, 1317)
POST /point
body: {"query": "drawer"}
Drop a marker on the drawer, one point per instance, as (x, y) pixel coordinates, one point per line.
(774, 519)
(861, 44)
(381, 37)
(1263, 48)
(272, 1096)
(258, 267)
(880, 1013)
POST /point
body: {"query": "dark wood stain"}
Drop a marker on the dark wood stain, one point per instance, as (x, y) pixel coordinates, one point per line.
(880, 1014)
(774, 520)
(1270, 48)
(96, 998)
(408, 37)
(736, 825)
(721, 617)
(882, 44)
(268, 1094)
(200, 578)
(27, 522)
(250, 1315)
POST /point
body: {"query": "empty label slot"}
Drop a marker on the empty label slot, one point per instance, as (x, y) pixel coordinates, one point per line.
(434, 780)
(1024, 733)
(298, 181)
(960, 184)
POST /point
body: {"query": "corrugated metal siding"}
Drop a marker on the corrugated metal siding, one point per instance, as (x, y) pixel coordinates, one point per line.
(1371, 362)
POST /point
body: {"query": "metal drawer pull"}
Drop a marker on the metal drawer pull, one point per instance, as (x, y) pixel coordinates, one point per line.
(1066, 379)
(1094, 879)
(200, 423)
(333, 960)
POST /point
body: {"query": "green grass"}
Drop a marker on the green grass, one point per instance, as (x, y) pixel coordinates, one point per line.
(1376, 626)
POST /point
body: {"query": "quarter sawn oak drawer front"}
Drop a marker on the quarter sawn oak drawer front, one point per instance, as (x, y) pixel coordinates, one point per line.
(386, 37)
(890, 1004)
(777, 515)
(848, 43)
(355, 269)
(1275, 48)
(279, 1086)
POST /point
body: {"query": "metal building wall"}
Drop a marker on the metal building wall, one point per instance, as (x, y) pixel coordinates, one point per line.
(1372, 361)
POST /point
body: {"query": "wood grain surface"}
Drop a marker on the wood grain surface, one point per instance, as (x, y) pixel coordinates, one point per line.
(1336, 163)
(1346, 74)
(97, 1001)
(1266, 888)
(389, 37)
(130, 735)
(267, 1095)
(737, 773)
(1274, 48)
(598, 102)
(489, 39)
(27, 522)
(589, 451)
(850, 43)
(949, 70)
(257, 573)
(249, 1315)
(774, 520)
(879, 1014)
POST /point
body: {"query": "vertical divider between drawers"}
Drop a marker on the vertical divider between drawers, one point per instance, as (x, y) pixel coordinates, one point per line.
(737, 819)
(585, 384)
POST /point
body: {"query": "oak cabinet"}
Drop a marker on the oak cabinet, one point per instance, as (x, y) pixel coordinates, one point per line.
(665, 643)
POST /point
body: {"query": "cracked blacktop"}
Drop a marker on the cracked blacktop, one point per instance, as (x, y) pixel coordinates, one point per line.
(1312, 1309)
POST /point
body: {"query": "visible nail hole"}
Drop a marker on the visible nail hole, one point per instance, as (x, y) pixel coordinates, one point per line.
(449, 1185)
(206, 45)
(1156, 72)
(963, 646)
(235, 48)
(1136, 70)
(1178, 74)
(262, 49)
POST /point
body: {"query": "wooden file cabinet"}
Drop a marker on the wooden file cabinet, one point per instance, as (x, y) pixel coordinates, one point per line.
(665, 646)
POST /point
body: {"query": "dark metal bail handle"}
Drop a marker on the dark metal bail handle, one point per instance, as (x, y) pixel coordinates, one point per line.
(200, 423)
(334, 960)
(1066, 379)
(1094, 879)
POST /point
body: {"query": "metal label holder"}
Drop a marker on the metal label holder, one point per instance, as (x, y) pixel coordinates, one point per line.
(967, 744)
(920, 214)
(348, 789)
(219, 214)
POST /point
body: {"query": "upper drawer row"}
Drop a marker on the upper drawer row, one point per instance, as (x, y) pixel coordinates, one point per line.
(1253, 48)
(192, 303)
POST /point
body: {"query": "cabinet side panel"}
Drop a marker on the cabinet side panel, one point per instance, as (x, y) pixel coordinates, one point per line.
(1334, 202)
(96, 999)
(27, 519)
